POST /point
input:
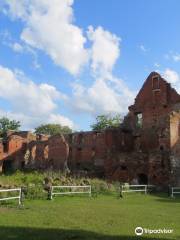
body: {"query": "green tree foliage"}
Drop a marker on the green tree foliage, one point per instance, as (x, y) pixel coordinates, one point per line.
(106, 121)
(6, 125)
(52, 129)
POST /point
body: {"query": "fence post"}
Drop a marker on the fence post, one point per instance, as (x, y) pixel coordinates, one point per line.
(51, 192)
(172, 192)
(120, 190)
(90, 190)
(145, 189)
(20, 196)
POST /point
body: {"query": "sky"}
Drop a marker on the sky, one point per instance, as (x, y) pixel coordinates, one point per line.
(66, 62)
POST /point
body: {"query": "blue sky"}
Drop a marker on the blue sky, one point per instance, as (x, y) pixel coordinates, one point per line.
(65, 61)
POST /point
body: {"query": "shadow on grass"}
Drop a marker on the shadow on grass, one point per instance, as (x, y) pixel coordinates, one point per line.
(21, 233)
(164, 197)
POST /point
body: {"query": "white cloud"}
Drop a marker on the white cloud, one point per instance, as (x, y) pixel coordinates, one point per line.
(172, 56)
(143, 48)
(56, 118)
(104, 96)
(105, 49)
(107, 94)
(157, 65)
(17, 47)
(176, 57)
(26, 93)
(30, 101)
(49, 26)
(172, 77)
(27, 122)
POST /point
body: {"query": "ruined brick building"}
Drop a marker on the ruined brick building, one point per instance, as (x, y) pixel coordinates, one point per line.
(145, 148)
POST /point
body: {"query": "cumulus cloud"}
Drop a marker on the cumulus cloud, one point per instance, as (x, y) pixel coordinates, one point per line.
(29, 100)
(49, 26)
(105, 49)
(107, 94)
(36, 97)
(172, 77)
(104, 96)
(57, 118)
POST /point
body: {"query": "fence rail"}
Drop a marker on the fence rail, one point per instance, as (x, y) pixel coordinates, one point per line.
(175, 190)
(72, 190)
(134, 188)
(13, 197)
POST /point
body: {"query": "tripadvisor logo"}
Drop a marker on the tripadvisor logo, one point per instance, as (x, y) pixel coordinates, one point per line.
(139, 231)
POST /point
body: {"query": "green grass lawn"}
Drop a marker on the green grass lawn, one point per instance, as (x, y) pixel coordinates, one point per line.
(105, 218)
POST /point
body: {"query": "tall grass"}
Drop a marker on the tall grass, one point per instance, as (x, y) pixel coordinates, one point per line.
(33, 183)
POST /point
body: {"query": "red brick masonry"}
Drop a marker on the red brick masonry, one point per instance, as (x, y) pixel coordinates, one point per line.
(144, 149)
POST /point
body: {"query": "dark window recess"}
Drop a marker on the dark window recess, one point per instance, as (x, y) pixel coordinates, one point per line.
(7, 166)
(161, 148)
(155, 82)
(6, 146)
(86, 169)
(142, 178)
(51, 162)
(23, 164)
(123, 167)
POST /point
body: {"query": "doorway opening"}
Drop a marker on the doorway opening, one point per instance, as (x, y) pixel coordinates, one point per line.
(142, 178)
(7, 166)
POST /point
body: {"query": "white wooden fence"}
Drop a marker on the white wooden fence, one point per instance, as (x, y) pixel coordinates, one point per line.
(126, 188)
(175, 190)
(11, 197)
(134, 188)
(72, 190)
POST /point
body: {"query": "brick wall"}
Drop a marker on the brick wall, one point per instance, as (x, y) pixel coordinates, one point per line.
(145, 148)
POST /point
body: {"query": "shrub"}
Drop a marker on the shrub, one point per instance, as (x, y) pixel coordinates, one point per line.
(33, 183)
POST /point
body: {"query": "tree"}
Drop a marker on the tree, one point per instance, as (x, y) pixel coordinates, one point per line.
(6, 125)
(52, 129)
(106, 121)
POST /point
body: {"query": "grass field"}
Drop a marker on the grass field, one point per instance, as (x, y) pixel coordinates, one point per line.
(104, 217)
